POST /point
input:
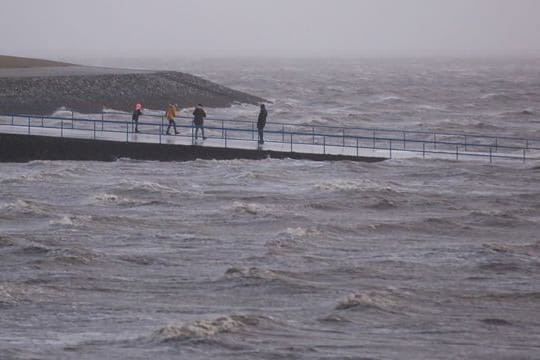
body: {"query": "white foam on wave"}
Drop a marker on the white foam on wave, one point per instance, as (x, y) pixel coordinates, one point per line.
(110, 199)
(206, 328)
(367, 300)
(10, 295)
(71, 220)
(352, 185)
(107, 197)
(252, 208)
(301, 232)
(129, 184)
(251, 273)
(63, 221)
(26, 207)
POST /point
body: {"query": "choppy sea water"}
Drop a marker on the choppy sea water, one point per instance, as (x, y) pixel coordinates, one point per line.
(286, 259)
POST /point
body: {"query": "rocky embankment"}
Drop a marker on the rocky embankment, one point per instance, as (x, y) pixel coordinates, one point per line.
(44, 89)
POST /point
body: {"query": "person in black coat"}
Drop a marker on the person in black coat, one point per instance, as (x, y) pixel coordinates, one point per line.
(261, 123)
(198, 119)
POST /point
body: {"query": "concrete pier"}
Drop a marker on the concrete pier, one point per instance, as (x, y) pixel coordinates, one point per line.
(23, 148)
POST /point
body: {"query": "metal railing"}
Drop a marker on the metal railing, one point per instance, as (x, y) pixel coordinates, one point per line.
(292, 137)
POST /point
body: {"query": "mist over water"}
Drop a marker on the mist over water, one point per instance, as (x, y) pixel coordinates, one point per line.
(274, 259)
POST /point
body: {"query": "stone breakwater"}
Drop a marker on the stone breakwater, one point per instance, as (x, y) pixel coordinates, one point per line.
(90, 90)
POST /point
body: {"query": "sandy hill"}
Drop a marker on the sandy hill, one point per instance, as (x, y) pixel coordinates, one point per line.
(34, 86)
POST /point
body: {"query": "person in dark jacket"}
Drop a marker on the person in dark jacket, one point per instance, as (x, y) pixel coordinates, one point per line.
(135, 117)
(198, 119)
(261, 123)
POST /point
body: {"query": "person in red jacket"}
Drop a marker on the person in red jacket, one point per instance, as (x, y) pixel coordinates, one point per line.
(135, 117)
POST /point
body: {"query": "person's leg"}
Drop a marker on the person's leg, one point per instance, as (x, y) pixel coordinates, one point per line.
(136, 125)
(175, 131)
(196, 131)
(261, 140)
(202, 132)
(168, 128)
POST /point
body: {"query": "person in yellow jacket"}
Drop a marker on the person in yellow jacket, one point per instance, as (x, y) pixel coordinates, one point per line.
(170, 114)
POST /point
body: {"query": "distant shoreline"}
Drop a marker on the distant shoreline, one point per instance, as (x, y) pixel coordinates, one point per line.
(15, 62)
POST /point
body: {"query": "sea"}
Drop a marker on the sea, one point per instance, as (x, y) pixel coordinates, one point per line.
(289, 259)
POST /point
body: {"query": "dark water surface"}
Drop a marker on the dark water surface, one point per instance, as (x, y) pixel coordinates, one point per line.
(285, 259)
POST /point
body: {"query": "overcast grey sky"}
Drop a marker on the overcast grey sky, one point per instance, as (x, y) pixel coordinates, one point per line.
(60, 28)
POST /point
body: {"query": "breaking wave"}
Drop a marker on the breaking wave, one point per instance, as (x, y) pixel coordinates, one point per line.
(27, 207)
(205, 329)
(342, 185)
(368, 300)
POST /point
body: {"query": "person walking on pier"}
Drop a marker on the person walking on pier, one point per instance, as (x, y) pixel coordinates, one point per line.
(261, 123)
(170, 114)
(198, 119)
(135, 117)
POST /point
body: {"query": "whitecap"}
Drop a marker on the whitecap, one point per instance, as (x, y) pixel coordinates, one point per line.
(206, 328)
(27, 207)
(252, 208)
(367, 300)
(301, 232)
(64, 221)
(352, 185)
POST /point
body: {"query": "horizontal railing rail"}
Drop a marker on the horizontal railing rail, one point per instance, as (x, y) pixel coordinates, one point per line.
(319, 138)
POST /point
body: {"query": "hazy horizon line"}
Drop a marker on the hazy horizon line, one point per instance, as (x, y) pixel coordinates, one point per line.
(272, 55)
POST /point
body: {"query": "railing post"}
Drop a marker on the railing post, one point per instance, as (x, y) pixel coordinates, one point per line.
(282, 133)
(225, 139)
(390, 148)
(357, 146)
(11, 119)
(62, 128)
(435, 141)
(343, 137)
(373, 140)
(291, 141)
(324, 144)
(404, 141)
(423, 150)
(490, 156)
(72, 119)
(252, 131)
(313, 134)
(94, 130)
(457, 152)
(496, 144)
(127, 131)
(102, 120)
(29, 125)
(465, 142)
(160, 129)
(524, 152)
(222, 129)
(42, 122)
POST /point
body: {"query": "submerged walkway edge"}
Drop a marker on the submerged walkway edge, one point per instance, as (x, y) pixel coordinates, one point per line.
(24, 148)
